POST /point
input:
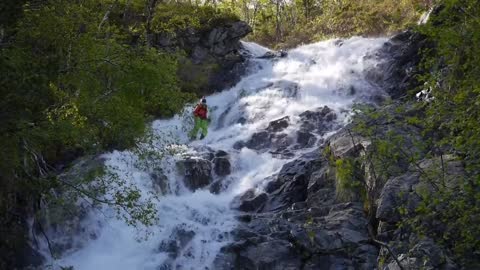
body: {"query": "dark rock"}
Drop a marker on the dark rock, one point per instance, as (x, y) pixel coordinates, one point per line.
(272, 183)
(177, 241)
(242, 120)
(305, 139)
(268, 55)
(291, 184)
(248, 255)
(250, 201)
(320, 179)
(317, 121)
(281, 142)
(159, 181)
(221, 166)
(239, 145)
(259, 140)
(196, 172)
(301, 166)
(338, 43)
(216, 187)
(274, 54)
(396, 193)
(279, 124)
(291, 192)
(289, 88)
(221, 153)
(214, 53)
(429, 252)
(401, 55)
(274, 255)
(347, 144)
(29, 258)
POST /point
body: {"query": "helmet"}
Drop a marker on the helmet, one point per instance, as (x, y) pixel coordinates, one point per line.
(204, 100)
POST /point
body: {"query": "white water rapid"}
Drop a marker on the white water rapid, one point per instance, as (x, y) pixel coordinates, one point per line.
(330, 73)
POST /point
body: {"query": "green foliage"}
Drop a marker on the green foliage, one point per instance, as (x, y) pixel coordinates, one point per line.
(71, 83)
(454, 78)
(349, 181)
(171, 18)
(451, 217)
(290, 23)
(196, 76)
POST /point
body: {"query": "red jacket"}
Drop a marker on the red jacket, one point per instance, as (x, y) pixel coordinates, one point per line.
(201, 111)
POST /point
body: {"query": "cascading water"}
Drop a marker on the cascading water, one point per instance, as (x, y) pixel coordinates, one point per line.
(330, 73)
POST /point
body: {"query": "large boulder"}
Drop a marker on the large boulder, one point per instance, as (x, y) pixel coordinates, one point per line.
(397, 192)
(196, 172)
(346, 144)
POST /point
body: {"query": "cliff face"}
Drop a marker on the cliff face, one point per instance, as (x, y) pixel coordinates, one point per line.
(310, 218)
(214, 59)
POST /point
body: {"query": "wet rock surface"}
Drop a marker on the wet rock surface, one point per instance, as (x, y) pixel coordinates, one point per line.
(272, 139)
(279, 124)
(298, 221)
(196, 172)
(222, 166)
(274, 54)
(159, 181)
(397, 73)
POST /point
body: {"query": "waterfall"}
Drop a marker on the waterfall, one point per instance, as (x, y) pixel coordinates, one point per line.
(194, 226)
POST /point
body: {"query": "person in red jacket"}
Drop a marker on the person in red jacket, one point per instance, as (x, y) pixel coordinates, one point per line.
(201, 120)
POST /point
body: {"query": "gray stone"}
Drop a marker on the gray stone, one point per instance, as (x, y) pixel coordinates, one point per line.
(221, 166)
(396, 193)
(239, 145)
(177, 241)
(221, 153)
(159, 181)
(289, 88)
(279, 124)
(274, 54)
(319, 121)
(401, 55)
(305, 139)
(259, 140)
(347, 144)
(250, 201)
(196, 172)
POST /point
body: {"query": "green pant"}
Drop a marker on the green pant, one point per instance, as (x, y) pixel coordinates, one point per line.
(199, 124)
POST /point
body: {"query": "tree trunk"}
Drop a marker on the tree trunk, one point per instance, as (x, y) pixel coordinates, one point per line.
(278, 30)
